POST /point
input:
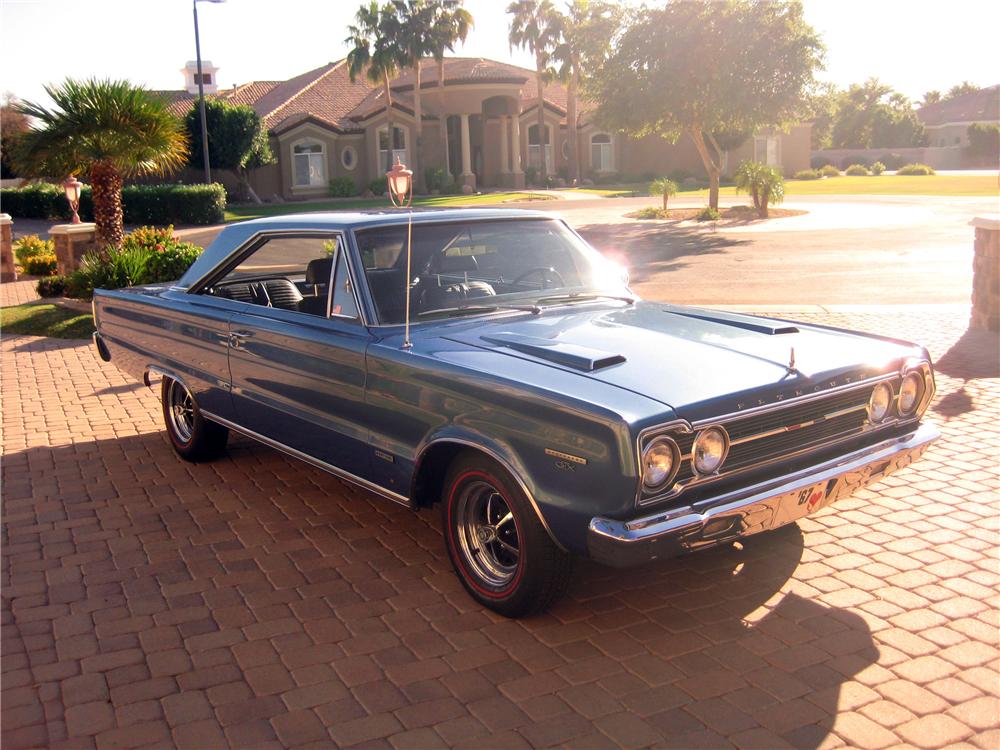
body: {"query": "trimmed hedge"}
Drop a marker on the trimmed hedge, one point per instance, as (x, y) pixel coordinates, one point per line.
(141, 204)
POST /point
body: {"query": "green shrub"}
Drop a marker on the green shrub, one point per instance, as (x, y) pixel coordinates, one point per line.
(911, 170)
(379, 186)
(530, 175)
(40, 265)
(148, 255)
(857, 170)
(708, 214)
(807, 174)
(438, 179)
(765, 184)
(141, 204)
(878, 168)
(892, 161)
(829, 171)
(342, 187)
(984, 141)
(32, 246)
(51, 286)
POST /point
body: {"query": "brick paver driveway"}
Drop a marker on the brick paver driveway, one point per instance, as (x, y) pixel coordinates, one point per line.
(255, 601)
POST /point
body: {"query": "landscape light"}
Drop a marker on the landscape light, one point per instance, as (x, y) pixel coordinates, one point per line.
(72, 187)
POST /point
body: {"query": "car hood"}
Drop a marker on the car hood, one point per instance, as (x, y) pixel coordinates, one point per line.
(701, 363)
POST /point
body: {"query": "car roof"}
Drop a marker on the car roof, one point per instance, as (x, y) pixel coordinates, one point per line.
(355, 219)
(234, 235)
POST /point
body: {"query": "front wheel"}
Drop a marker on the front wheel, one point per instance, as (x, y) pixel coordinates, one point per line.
(192, 436)
(498, 547)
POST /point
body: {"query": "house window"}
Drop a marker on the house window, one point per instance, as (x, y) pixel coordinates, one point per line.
(309, 158)
(398, 145)
(349, 157)
(203, 78)
(535, 150)
(601, 153)
(767, 149)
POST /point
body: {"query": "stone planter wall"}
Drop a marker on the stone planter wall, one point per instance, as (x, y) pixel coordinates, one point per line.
(71, 242)
(986, 274)
(7, 270)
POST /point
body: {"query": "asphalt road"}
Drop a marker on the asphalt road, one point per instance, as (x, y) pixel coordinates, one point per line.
(846, 250)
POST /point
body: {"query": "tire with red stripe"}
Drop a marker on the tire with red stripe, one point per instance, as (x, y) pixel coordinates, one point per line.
(498, 547)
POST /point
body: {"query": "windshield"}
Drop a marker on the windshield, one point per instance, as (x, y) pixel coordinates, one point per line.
(481, 264)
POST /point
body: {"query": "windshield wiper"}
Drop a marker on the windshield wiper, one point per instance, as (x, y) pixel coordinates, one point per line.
(472, 309)
(582, 297)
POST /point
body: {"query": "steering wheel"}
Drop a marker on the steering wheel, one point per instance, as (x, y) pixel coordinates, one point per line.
(547, 273)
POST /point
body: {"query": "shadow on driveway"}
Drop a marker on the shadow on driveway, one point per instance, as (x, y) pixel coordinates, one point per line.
(271, 584)
(648, 249)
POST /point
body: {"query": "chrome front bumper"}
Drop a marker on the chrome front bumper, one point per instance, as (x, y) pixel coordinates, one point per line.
(751, 510)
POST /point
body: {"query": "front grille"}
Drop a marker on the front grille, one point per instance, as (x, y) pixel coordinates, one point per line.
(757, 439)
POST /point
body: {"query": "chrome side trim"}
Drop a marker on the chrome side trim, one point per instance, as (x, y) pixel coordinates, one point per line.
(750, 510)
(329, 468)
(506, 465)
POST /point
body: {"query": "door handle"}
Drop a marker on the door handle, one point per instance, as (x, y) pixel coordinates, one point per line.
(242, 334)
(237, 337)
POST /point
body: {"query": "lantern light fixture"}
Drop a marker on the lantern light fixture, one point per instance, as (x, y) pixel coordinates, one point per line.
(72, 187)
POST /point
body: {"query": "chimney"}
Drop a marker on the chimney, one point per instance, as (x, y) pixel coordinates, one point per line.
(208, 72)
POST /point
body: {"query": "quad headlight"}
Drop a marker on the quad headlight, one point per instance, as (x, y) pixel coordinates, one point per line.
(660, 461)
(709, 450)
(911, 391)
(879, 402)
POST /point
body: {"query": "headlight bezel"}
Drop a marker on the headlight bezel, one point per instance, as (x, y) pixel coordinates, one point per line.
(724, 434)
(922, 369)
(920, 384)
(675, 454)
(881, 387)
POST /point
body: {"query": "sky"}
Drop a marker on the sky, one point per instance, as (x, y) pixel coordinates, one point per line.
(913, 45)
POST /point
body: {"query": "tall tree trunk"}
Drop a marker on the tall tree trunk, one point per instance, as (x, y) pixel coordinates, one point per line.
(388, 123)
(710, 166)
(418, 153)
(443, 118)
(571, 125)
(540, 75)
(243, 175)
(106, 184)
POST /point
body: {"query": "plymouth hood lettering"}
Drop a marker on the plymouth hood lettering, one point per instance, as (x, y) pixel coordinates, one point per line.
(685, 358)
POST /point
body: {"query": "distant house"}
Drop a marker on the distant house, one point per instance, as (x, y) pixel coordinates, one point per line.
(480, 124)
(947, 122)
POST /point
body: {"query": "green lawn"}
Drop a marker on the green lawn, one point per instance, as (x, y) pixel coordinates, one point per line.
(46, 320)
(242, 213)
(944, 185)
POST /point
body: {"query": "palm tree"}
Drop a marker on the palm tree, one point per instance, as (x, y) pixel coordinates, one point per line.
(536, 26)
(587, 29)
(376, 53)
(107, 131)
(428, 27)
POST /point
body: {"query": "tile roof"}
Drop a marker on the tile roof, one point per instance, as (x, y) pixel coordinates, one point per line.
(977, 106)
(328, 96)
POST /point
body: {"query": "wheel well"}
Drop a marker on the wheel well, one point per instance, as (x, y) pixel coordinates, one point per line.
(431, 471)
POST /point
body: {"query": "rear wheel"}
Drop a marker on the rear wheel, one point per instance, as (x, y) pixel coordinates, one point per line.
(498, 547)
(193, 437)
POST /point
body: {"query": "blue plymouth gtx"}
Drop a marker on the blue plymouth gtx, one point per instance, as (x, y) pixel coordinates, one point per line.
(529, 393)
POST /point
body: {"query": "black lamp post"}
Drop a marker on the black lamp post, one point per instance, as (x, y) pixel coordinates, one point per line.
(201, 90)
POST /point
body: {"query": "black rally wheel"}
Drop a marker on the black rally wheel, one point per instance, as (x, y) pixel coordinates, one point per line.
(498, 547)
(192, 436)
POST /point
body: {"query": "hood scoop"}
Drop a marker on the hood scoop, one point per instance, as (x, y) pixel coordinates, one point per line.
(765, 327)
(582, 358)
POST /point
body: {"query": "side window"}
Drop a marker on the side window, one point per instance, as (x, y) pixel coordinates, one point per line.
(344, 304)
(289, 272)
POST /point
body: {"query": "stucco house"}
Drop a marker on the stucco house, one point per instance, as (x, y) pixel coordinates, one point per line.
(480, 123)
(947, 122)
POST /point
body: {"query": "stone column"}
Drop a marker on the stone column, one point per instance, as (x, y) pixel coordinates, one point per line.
(515, 144)
(7, 270)
(504, 155)
(72, 241)
(468, 178)
(986, 274)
